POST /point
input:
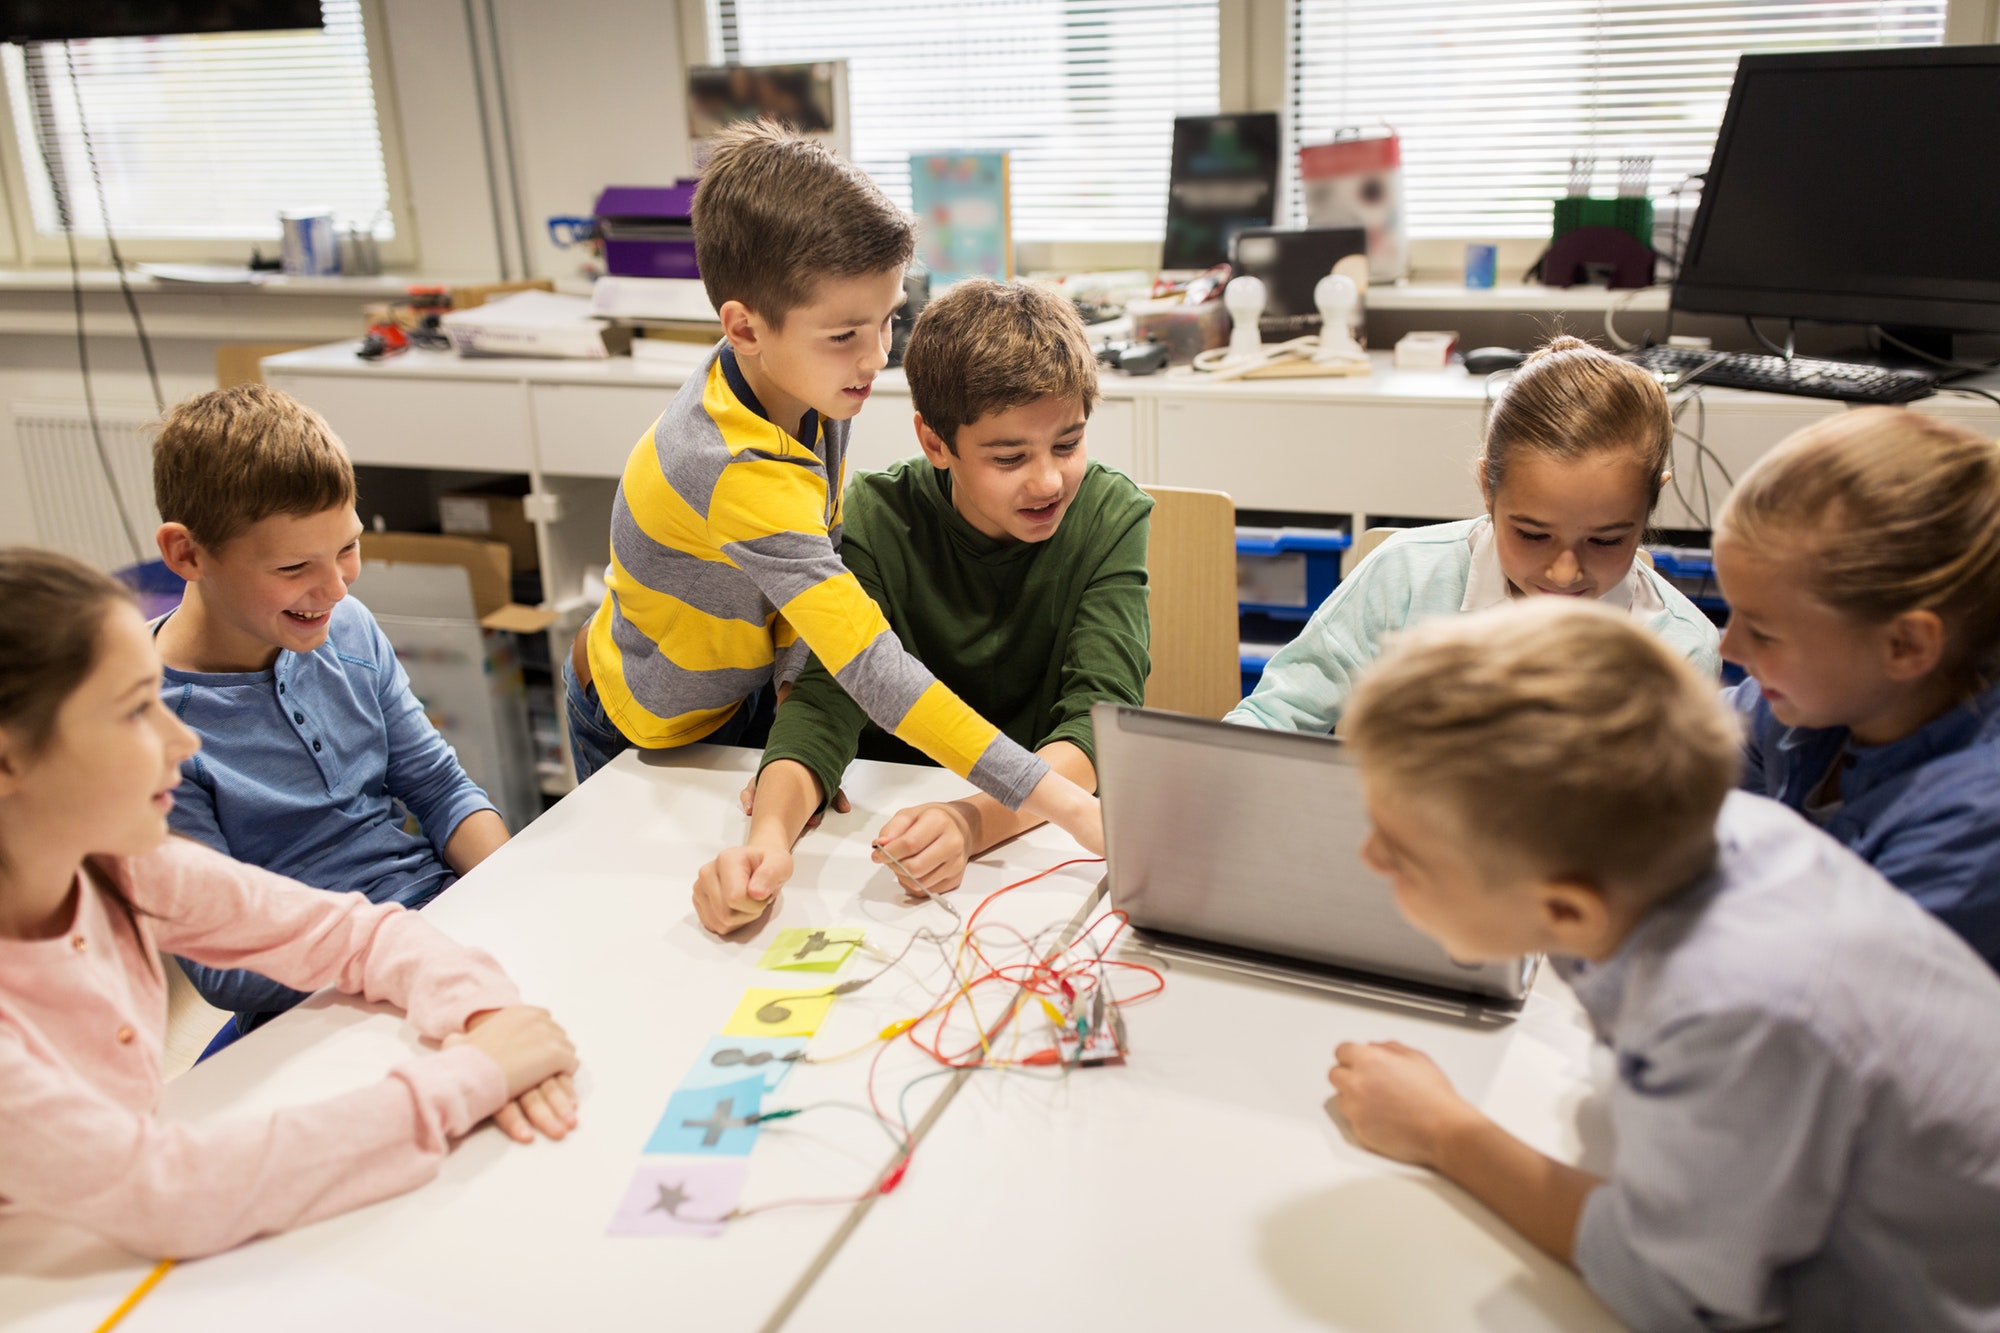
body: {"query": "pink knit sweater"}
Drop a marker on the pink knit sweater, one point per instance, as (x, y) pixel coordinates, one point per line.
(82, 1020)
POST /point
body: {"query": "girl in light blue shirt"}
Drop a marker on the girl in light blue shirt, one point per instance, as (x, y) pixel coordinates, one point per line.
(1576, 452)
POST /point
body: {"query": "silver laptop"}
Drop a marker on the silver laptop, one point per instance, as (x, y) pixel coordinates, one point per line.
(1242, 847)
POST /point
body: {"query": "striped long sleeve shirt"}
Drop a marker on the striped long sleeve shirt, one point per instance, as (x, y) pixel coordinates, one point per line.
(725, 572)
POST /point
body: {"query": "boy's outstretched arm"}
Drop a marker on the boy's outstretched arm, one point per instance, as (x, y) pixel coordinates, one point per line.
(478, 836)
(937, 840)
(1398, 1103)
(738, 886)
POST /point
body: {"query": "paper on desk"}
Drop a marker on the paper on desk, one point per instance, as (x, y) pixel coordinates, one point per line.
(679, 1199)
(531, 323)
(778, 1013)
(710, 1121)
(728, 1059)
(683, 299)
(805, 949)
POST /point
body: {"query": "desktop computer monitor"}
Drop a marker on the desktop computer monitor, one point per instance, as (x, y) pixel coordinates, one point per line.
(1855, 187)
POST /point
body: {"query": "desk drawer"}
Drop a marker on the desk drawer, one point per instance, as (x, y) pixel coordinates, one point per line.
(1324, 458)
(468, 424)
(588, 430)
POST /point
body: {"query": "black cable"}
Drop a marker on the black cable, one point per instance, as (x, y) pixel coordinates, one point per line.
(1993, 398)
(63, 215)
(1784, 353)
(104, 217)
(1969, 366)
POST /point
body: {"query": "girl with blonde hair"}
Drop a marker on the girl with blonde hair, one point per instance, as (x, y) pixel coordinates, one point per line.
(1861, 561)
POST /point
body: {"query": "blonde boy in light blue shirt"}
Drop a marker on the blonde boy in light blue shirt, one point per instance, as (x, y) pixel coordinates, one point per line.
(1808, 1064)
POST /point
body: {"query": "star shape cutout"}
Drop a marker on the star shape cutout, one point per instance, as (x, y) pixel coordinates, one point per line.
(672, 1196)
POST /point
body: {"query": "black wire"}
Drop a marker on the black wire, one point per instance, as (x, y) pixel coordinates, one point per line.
(104, 217)
(1989, 396)
(1948, 364)
(63, 215)
(1783, 353)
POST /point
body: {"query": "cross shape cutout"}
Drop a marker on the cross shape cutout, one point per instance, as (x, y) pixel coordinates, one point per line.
(718, 1122)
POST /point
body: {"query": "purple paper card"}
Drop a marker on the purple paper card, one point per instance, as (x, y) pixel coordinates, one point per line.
(679, 1199)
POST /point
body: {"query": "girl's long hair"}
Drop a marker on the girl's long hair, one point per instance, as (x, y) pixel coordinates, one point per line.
(49, 635)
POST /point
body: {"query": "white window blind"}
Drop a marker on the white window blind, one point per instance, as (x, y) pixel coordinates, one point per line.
(1083, 93)
(1492, 97)
(203, 137)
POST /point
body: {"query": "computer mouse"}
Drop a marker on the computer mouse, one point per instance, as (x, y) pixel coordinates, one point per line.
(1486, 360)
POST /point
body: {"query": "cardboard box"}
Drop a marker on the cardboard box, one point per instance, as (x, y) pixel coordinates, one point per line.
(470, 296)
(241, 363)
(486, 564)
(497, 511)
(440, 600)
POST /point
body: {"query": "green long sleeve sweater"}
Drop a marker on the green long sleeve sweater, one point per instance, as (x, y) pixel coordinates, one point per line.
(1030, 635)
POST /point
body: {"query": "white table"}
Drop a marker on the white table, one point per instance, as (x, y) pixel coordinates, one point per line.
(1201, 1185)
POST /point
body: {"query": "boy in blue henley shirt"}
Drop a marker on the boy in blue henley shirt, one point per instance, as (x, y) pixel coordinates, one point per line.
(313, 747)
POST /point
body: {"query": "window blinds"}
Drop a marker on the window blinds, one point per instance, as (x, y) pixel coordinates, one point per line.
(204, 136)
(1492, 97)
(1083, 93)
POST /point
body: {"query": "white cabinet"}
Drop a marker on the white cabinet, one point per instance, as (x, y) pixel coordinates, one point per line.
(1323, 455)
(474, 425)
(588, 430)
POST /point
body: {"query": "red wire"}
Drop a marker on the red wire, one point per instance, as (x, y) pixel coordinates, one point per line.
(1042, 980)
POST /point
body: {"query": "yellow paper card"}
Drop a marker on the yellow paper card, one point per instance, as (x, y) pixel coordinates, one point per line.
(778, 1013)
(798, 949)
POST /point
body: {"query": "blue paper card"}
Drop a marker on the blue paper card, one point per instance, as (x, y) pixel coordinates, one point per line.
(729, 1059)
(710, 1121)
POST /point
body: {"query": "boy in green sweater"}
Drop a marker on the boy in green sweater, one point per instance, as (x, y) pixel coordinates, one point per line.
(1006, 562)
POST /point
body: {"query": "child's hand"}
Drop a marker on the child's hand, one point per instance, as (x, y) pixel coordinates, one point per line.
(530, 1048)
(934, 842)
(550, 1107)
(839, 804)
(738, 887)
(1396, 1100)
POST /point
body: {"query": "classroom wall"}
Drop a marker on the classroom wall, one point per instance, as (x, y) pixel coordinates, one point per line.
(509, 111)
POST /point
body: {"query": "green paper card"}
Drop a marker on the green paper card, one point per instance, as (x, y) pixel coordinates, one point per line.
(809, 949)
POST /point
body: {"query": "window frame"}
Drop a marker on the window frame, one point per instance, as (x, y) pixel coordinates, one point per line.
(1262, 79)
(30, 248)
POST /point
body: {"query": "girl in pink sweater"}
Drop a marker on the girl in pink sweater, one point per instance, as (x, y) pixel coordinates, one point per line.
(93, 891)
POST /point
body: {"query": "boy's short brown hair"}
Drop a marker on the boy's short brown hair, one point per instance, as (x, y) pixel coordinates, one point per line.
(987, 346)
(231, 457)
(1561, 736)
(775, 212)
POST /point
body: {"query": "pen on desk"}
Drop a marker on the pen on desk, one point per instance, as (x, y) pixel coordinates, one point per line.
(136, 1295)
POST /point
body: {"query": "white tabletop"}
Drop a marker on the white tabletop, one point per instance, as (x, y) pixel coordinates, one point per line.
(1206, 1185)
(1201, 1185)
(589, 910)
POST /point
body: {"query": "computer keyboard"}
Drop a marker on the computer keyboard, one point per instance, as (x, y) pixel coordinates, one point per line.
(1805, 376)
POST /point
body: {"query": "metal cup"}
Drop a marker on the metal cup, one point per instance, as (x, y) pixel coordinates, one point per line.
(310, 248)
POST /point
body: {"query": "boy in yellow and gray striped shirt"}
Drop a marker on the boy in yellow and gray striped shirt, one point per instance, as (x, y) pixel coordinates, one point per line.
(725, 569)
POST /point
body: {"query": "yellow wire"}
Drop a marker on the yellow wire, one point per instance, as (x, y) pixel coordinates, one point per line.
(137, 1294)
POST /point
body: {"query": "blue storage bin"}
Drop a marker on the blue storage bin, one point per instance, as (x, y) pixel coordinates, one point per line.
(1254, 658)
(1692, 570)
(1286, 573)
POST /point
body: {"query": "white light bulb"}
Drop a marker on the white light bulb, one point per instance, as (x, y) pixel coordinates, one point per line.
(1244, 299)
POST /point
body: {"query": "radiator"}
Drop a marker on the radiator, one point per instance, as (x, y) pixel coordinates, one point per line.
(67, 490)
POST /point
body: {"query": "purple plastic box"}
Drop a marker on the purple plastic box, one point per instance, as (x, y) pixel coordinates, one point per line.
(646, 230)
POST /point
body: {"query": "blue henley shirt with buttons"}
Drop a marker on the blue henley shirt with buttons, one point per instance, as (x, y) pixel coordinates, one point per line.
(302, 766)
